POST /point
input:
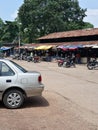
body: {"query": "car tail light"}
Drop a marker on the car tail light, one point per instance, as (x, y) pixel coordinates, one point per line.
(40, 78)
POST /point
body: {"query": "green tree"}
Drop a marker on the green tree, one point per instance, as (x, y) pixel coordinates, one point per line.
(88, 25)
(10, 30)
(1, 28)
(41, 17)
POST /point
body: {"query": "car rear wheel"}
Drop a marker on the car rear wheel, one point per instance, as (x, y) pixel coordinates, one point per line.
(13, 99)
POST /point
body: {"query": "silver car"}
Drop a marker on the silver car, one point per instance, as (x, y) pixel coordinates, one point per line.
(16, 83)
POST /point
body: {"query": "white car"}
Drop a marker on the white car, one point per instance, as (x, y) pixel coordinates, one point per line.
(16, 83)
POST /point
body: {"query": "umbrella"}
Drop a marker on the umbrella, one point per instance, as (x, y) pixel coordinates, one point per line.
(63, 47)
(73, 47)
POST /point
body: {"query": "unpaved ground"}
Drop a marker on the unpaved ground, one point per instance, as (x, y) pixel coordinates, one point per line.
(50, 113)
(69, 101)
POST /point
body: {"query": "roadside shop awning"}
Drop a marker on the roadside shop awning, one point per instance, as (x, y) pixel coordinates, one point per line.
(95, 46)
(70, 47)
(47, 47)
(73, 47)
(40, 48)
(87, 45)
(63, 47)
(43, 47)
(4, 48)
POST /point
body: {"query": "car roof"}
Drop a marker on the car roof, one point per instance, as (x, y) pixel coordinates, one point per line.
(8, 61)
(3, 59)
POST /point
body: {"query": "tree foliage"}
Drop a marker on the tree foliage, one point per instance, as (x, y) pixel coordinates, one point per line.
(9, 31)
(41, 17)
(1, 29)
(88, 25)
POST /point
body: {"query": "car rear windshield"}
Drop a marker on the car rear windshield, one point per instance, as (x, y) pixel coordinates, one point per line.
(19, 67)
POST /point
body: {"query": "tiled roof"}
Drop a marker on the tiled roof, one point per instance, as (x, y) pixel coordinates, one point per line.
(75, 33)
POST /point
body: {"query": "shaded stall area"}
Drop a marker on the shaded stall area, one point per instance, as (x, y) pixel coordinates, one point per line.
(6, 51)
(44, 52)
(49, 52)
(83, 53)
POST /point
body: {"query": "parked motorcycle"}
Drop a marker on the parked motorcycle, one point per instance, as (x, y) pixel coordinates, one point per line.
(67, 62)
(36, 59)
(70, 63)
(29, 58)
(92, 64)
(61, 62)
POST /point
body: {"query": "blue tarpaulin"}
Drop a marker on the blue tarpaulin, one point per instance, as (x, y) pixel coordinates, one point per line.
(3, 48)
(70, 47)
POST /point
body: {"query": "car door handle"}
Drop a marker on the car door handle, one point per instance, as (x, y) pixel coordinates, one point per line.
(8, 81)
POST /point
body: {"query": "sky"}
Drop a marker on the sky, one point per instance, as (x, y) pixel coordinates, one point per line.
(9, 9)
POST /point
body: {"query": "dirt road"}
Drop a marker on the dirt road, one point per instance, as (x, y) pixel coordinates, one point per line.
(69, 101)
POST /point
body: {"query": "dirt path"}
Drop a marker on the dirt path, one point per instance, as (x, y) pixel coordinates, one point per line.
(58, 108)
(50, 113)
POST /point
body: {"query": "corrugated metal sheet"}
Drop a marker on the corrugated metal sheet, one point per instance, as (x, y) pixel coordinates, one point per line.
(75, 33)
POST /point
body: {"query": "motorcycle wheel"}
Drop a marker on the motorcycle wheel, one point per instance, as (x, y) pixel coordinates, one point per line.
(59, 64)
(67, 65)
(90, 66)
(28, 60)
